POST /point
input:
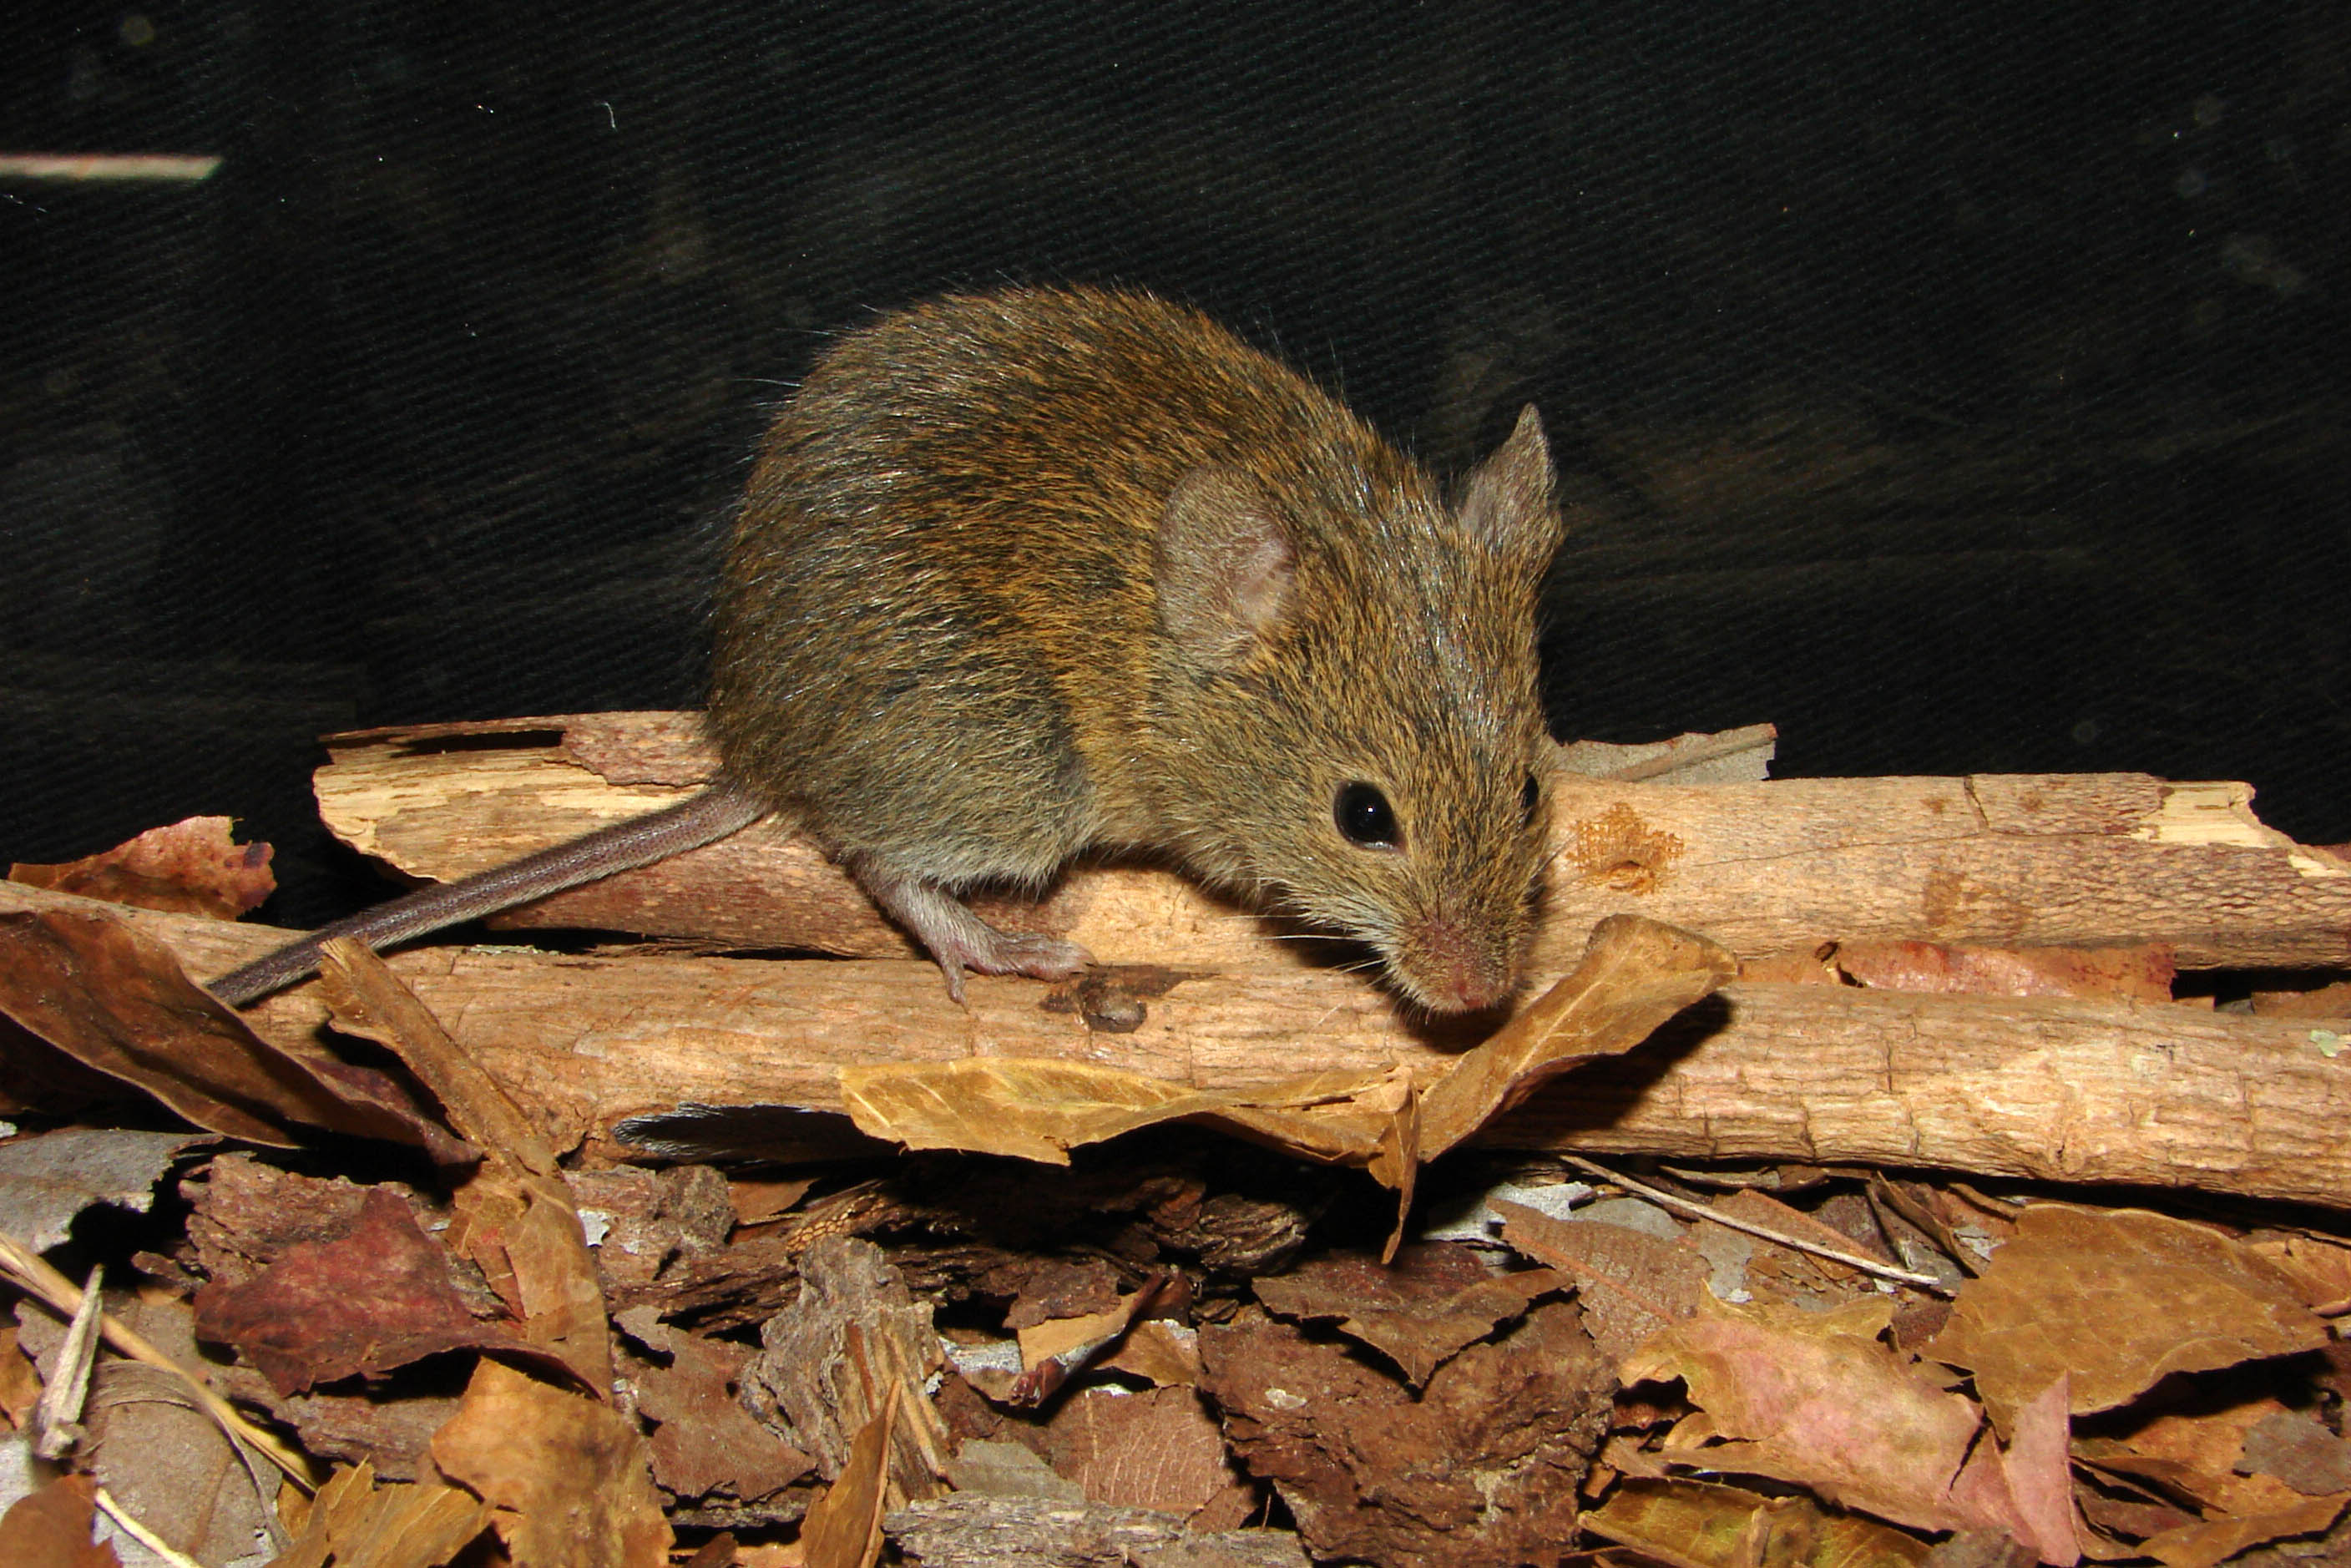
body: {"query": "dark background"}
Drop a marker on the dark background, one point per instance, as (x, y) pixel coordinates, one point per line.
(1960, 388)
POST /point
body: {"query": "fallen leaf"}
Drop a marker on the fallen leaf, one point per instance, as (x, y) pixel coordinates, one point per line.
(1160, 1352)
(756, 1201)
(1434, 1299)
(1041, 1108)
(1813, 1398)
(192, 867)
(157, 1453)
(20, 1385)
(49, 1528)
(1054, 1351)
(2025, 1491)
(1636, 974)
(1633, 1285)
(2216, 1540)
(355, 1520)
(570, 1475)
(115, 999)
(1158, 1450)
(48, 1179)
(1482, 1467)
(2198, 1454)
(1705, 1524)
(2114, 1300)
(515, 1216)
(2319, 1271)
(376, 1297)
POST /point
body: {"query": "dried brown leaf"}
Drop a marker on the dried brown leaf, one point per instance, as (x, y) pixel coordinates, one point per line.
(192, 867)
(376, 1297)
(49, 1528)
(1039, 1108)
(2115, 1300)
(2218, 1540)
(1633, 1285)
(1705, 1524)
(356, 1522)
(571, 1476)
(516, 1218)
(1159, 1352)
(1637, 973)
(115, 999)
(1815, 1398)
(1434, 1299)
(2025, 1491)
(20, 1385)
(1159, 1450)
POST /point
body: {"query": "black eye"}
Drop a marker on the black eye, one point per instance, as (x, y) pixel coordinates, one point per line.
(1531, 800)
(1364, 817)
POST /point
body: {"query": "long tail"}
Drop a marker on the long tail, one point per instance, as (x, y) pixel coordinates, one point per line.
(641, 841)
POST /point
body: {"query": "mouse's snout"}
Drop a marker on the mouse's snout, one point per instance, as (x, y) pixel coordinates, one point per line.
(1446, 967)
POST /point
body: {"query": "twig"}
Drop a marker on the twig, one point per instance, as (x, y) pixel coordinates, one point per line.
(111, 168)
(1699, 1210)
(56, 1419)
(33, 1274)
(140, 1534)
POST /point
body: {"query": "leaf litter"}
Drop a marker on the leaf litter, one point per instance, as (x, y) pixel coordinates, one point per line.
(466, 1344)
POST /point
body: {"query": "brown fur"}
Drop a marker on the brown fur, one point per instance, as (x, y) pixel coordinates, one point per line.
(958, 638)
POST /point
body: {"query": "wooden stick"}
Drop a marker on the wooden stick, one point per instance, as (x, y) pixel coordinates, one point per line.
(2160, 1095)
(2058, 860)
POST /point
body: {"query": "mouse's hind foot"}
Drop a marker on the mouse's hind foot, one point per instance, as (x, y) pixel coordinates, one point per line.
(959, 940)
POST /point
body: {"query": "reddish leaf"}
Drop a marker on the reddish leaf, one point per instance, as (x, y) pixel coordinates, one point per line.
(376, 1297)
(116, 1000)
(192, 867)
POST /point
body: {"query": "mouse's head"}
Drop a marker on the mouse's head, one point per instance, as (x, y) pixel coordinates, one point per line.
(1348, 719)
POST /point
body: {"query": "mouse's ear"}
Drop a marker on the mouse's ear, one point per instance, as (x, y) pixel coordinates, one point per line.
(1507, 506)
(1224, 566)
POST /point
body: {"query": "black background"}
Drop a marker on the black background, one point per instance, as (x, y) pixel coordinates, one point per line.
(1959, 387)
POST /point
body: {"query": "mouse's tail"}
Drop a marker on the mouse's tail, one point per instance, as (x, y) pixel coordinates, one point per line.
(704, 818)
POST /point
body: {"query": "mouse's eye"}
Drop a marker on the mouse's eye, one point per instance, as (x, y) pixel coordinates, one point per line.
(1531, 800)
(1364, 817)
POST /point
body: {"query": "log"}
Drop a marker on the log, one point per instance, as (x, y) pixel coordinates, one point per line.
(2118, 860)
(2160, 1095)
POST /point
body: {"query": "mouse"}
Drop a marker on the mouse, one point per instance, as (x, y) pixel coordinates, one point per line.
(1025, 575)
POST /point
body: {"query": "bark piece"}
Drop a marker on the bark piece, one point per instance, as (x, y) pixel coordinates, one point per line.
(2043, 1088)
(1419, 1312)
(2033, 859)
(1482, 1467)
(829, 1361)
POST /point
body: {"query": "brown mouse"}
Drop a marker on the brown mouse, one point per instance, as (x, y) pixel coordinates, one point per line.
(1023, 574)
